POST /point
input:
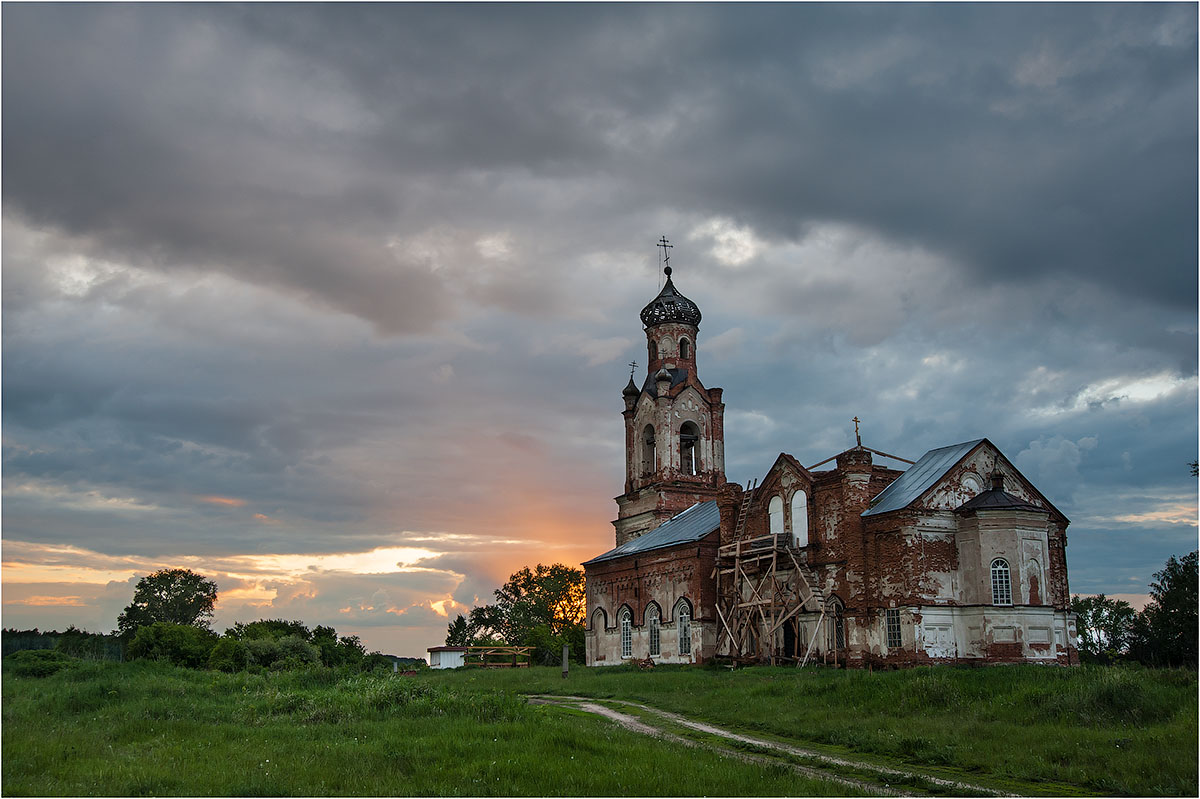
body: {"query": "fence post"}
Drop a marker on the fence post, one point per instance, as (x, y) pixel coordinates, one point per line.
(566, 651)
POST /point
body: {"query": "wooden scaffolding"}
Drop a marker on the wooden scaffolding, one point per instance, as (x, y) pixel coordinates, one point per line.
(762, 585)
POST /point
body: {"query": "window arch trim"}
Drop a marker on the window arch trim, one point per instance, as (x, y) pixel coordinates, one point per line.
(653, 623)
(625, 623)
(1001, 583)
(775, 515)
(683, 625)
(599, 614)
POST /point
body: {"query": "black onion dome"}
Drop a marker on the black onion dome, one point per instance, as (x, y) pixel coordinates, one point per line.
(670, 306)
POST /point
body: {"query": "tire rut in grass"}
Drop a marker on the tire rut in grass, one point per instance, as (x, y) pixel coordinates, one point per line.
(884, 773)
(635, 724)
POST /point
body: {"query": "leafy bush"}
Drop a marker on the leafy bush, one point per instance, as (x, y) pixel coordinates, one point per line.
(229, 655)
(181, 644)
(296, 653)
(37, 662)
(262, 651)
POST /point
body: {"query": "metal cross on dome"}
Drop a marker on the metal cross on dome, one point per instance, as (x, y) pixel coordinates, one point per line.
(666, 248)
(632, 368)
(857, 437)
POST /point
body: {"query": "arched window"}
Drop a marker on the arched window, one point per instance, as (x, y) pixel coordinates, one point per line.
(689, 446)
(775, 511)
(800, 519)
(653, 350)
(599, 620)
(837, 614)
(684, 349)
(1001, 582)
(648, 449)
(626, 633)
(683, 625)
(652, 621)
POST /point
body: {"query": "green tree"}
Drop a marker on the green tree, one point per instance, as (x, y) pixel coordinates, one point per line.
(1105, 627)
(176, 596)
(458, 632)
(549, 597)
(1166, 633)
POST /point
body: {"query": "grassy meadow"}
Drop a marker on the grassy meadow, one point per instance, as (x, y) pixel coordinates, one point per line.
(143, 728)
(1108, 730)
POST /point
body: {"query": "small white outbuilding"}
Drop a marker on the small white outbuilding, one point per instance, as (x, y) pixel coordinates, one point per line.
(447, 657)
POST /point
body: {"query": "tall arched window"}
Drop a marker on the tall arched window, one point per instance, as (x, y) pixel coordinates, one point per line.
(800, 519)
(648, 449)
(652, 621)
(689, 448)
(1001, 582)
(653, 350)
(626, 633)
(683, 625)
(775, 511)
(837, 614)
(685, 349)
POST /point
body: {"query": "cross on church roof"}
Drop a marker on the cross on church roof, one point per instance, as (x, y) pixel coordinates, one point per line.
(857, 437)
(666, 248)
(632, 368)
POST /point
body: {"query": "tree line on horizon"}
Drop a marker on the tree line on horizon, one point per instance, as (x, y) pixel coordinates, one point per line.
(169, 620)
(1164, 633)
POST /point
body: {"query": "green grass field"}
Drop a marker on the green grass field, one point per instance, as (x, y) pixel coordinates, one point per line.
(1108, 730)
(146, 728)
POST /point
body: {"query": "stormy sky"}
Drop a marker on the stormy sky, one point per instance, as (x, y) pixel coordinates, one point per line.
(333, 303)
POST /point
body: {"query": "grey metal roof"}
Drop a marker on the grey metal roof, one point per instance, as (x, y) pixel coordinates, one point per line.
(683, 528)
(997, 499)
(650, 385)
(917, 480)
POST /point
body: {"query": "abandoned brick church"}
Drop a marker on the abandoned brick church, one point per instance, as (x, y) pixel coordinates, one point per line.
(956, 559)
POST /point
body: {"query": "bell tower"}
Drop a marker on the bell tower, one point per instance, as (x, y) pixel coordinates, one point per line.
(674, 426)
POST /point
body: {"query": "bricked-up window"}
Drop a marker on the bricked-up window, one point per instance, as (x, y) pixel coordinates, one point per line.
(800, 519)
(894, 641)
(648, 449)
(655, 636)
(683, 624)
(626, 634)
(775, 512)
(684, 348)
(689, 457)
(1001, 583)
(653, 350)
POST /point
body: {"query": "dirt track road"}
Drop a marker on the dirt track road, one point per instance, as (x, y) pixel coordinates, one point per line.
(868, 777)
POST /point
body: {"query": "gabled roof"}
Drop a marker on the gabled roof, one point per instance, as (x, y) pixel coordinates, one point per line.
(684, 528)
(920, 477)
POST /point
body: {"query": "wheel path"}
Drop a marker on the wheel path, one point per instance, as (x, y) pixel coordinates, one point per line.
(884, 773)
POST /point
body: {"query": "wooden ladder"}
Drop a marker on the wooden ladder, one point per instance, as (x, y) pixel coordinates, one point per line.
(747, 498)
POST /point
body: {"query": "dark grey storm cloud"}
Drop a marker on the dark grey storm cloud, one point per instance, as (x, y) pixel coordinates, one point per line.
(312, 279)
